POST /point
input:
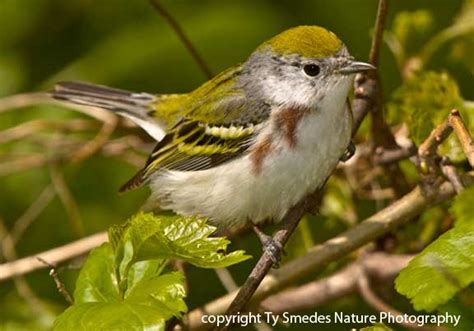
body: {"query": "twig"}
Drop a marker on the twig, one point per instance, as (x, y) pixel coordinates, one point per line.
(463, 135)
(67, 199)
(375, 302)
(21, 285)
(54, 256)
(59, 284)
(32, 213)
(451, 174)
(29, 128)
(365, 89)
(378, 33)
(94, 145)
(22, 100)
(182, 36)
(380, 266)
(317, 257)
(386, 156)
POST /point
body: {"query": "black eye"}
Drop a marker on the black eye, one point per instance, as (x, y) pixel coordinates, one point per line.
(311, 70)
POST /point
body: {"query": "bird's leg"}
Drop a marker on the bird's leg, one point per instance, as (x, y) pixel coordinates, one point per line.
(270, 245)
(350, 151)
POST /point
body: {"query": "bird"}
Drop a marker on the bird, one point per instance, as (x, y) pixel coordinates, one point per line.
(250, 143)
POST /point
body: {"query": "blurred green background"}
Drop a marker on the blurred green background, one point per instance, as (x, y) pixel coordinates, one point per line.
(126, 44)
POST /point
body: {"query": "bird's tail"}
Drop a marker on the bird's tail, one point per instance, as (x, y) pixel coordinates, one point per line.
(138, 107)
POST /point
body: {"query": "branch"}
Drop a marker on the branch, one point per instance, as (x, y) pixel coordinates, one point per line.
(182, 36)
(463, 135)
(365, 87)
(379, 266)
(379, 224)
(53, 256)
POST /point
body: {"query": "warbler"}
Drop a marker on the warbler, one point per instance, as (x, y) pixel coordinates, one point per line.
(251, 142)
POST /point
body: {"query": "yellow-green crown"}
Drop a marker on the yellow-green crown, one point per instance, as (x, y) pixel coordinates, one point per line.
(308, 41)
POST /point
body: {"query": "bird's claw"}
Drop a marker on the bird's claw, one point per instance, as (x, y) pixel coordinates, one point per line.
(274, 250)
(350, 151)
(270, 246)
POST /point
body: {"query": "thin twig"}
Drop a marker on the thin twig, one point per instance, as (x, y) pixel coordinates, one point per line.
(94, 145)
(59, 284)
(54, 256)
(386, 156)
(365, 85)
(378, 33)
(182, 36)
(24, 130)
(463, 135)
(21, 285)
(67, 199)
(451, 174)
(375, 302)
(32, 213)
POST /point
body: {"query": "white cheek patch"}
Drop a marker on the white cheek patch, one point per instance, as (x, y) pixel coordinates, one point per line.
(288, 91)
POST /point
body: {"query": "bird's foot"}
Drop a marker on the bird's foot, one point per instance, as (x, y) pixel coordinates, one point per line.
(270, 246)
(350, 151)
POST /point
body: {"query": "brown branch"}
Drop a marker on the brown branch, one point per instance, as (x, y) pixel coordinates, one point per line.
(366, 85)
(32, 213)
(386, 156)
(378, 304)
(59, 284)
(24, 130)
(53, 256)
(182, 36)
(463, 135)
(449, 171)
(379, 266)
(23, 288)
(94, 145)
(377, 225)
(67, 200)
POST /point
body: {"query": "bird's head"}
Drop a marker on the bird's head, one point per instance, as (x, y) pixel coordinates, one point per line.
(302, 66)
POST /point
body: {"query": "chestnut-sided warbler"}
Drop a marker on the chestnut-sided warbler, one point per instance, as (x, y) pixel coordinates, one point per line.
(250, 143)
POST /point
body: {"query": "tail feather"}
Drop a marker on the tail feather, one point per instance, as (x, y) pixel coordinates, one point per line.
(135, 106)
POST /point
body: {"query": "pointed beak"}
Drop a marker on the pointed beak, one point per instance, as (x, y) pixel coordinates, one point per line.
(353, 67)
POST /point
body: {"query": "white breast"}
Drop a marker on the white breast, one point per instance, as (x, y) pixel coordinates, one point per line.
(233, 194)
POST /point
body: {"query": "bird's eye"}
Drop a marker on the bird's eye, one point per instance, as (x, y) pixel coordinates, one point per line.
(311, 70)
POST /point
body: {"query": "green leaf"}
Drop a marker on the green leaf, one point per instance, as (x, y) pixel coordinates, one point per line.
(110, 316)
(163, 237)
(463, 207)
(443, 268)
(147, 306)
(166, 292)
(143, 271)
(97, 281)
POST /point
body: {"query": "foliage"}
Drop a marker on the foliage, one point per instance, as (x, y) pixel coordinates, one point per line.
(122, 285)
(444, 267)
(424, 101)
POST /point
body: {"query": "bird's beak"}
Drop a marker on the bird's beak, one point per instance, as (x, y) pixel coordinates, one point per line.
(353, 67)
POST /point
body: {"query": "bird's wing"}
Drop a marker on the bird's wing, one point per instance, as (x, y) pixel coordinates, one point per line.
(218, 124)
